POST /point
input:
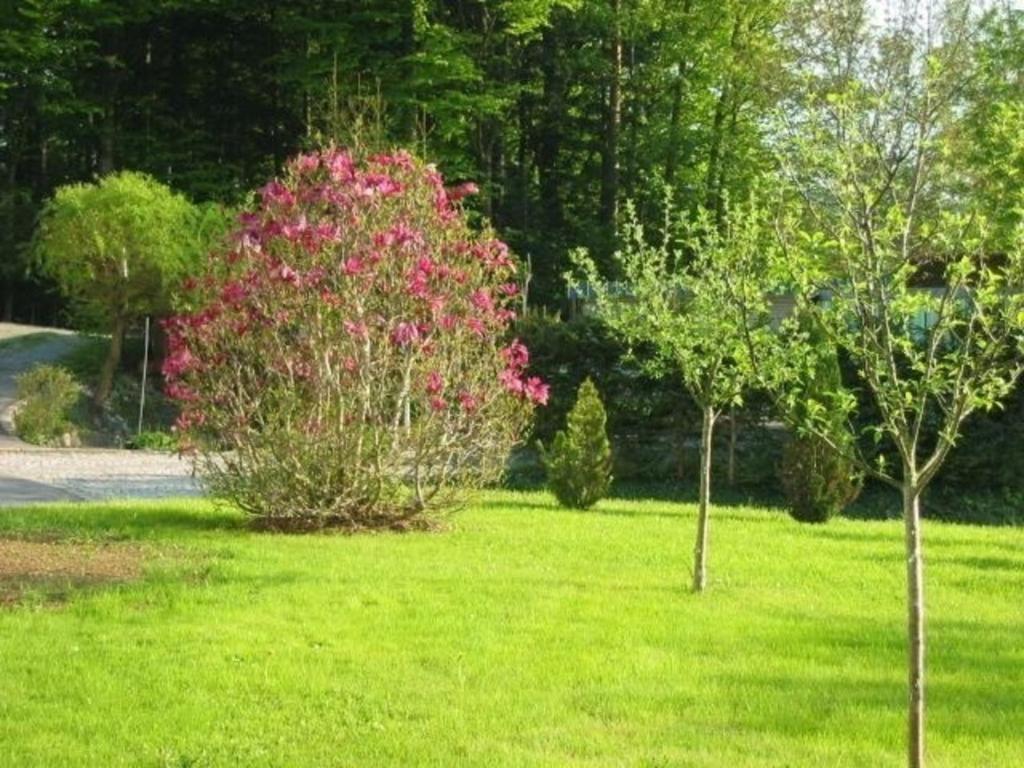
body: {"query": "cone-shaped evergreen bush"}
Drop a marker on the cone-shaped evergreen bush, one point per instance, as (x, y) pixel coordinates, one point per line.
(818, 481)
(579, 460)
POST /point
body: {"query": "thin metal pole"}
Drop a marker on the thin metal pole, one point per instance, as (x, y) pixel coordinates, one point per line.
(145, 370)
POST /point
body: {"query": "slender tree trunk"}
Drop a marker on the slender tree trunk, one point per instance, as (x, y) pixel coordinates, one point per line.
(915, 620)
(700, 551)
(549, 133)
(731, 474)
(713, 192)
(610, 161)
(674, 137)
(110, 364)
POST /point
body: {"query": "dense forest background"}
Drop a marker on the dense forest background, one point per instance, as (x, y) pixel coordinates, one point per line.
(558, 109)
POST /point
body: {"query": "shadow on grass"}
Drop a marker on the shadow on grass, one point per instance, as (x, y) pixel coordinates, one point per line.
(121, 520)
(974, 684)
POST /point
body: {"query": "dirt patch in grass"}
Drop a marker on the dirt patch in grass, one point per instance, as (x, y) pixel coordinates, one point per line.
(52, 567)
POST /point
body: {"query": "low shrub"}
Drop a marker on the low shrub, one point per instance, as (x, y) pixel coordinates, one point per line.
(153, 440)
(579, 460)
(818, 482)
(345, 362)
(47, 394)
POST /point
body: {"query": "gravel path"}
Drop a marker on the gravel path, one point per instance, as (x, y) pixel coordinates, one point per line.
(32, 474)
(92, 475)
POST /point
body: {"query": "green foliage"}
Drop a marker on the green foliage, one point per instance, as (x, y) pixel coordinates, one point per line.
(118, 248)
(154, 440)
(818, 482)
(579, 459)
(896, 260)
(47, 394)
(679, 295)
(818, 474)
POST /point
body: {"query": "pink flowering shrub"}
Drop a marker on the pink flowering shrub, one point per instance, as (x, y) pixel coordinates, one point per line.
(346, 361)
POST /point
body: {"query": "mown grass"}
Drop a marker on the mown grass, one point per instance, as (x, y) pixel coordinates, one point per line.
(524, 636)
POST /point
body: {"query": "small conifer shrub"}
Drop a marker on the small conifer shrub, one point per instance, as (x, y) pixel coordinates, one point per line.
(818, 480)
(579, 460)
(819, 483)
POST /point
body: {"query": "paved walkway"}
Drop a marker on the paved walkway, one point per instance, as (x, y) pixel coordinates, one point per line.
(30, 473)
(61, 474)
(16, 491)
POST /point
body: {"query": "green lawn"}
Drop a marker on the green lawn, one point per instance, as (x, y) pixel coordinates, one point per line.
(524, 636)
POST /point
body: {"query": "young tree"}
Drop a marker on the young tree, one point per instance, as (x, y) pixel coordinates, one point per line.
(677, 295)
(579, 460)
(117, 249)
(891, 257)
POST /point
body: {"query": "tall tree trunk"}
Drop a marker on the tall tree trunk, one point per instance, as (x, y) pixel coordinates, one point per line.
(700, 551)
(675, 116)
(550, 133)
(713, 192)
(915, 619)
(671, 157)
(731, 474)
(110, 364)
(610, 160)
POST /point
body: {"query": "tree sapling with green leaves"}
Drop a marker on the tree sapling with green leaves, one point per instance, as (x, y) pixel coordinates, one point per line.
(890, 253)
(117, 249)
(677, 294)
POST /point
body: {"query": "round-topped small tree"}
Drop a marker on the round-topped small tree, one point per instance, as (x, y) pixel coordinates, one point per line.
(345, 363)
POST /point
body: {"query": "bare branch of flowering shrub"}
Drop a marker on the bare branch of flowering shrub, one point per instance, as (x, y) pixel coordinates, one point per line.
(345, 363)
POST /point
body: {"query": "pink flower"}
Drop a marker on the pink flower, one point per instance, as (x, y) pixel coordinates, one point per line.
(340, 166)
(438, 403)
(509, 289)
(405, 334)
(511, 381)
(180, 392)
(286, 274)
(328, 232)
(468, 402)
(177, 363)
(315, 276)
(233, 293)
(435, 383)
(418, 286)
(476, 325)
(536, 390)
(482, 300)
(401, 159)
(516, 355)
(188, 419)
(357, 330)
(400, 235)
(379, 184)
(353, 265)
(306, 163)
(277, 194)
(295, 230)
(460, 191)
(349, 364)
